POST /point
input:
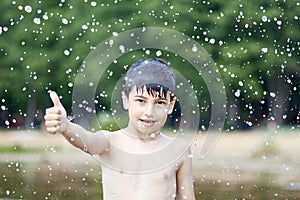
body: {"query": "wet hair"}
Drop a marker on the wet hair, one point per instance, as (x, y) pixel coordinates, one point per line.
(153, 74)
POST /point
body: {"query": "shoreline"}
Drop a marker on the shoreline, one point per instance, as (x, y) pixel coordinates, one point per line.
(237, 157)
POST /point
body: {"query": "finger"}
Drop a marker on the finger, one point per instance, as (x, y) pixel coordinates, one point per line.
(52, 130)
(52, 123)
(50, 117)
(53, 110)
(55, 99)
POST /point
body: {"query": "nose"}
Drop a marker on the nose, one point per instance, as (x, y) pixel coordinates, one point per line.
(149, 110)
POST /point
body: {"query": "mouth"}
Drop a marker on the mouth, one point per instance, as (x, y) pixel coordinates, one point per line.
(147, 122)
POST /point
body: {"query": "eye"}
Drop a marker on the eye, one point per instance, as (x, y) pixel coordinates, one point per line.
(140, 100)
(162, 102)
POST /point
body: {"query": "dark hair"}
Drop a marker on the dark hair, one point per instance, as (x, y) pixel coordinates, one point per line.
(154, 74)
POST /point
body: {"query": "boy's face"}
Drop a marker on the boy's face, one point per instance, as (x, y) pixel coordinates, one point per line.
(147, 112)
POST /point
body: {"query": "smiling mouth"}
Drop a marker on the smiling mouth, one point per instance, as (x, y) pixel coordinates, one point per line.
(147, 122)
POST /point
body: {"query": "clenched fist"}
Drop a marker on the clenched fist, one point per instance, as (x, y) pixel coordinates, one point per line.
(56, 116)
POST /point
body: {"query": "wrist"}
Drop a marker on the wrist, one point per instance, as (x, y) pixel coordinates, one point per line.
(66, 127)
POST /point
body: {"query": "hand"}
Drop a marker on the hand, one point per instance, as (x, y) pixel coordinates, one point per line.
(56, 116)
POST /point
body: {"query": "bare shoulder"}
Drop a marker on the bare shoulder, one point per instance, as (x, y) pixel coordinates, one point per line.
(114, 137)
(177, 142)
(179, 148)
(108, 134)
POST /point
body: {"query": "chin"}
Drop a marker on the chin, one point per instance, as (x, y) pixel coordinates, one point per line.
(148, 131)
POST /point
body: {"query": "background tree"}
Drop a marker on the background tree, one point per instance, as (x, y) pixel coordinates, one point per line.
(255, 45)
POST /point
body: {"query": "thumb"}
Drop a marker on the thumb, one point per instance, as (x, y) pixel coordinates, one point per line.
(55, 99)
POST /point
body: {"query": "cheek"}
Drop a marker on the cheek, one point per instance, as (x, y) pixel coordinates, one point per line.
(132, 112)
(162, 113)
(135, 110)
(162, 110)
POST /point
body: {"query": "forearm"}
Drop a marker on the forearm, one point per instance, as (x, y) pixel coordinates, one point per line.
(74, 134)
(78, 136)
(92, 143)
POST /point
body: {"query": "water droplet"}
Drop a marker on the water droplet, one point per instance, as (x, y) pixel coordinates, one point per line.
(158, 53)
(111, 42)
(284, 116)
(194, 49)
(249, 123)
(28, 8)
(267, 143)
(264, 50)
(89, 109)
(3, 107)
(84, 27)
(190, 155)
(45, 17)
(152, 135)
(279, 23)
(6, 122)
(67, 52)
(122, 48)
(65, 21)
(237, 93)
(286, 167)
(93, 3)
(264, 18)
(37, 20)
(272, 94)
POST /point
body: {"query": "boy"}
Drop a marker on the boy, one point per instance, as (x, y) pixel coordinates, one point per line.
(127, 172)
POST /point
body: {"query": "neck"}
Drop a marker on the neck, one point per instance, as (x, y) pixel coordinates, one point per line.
(136, 135)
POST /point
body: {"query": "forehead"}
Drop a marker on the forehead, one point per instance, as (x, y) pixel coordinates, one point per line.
(149, 93)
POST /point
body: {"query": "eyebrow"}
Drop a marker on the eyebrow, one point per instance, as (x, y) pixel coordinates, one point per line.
(140, 96)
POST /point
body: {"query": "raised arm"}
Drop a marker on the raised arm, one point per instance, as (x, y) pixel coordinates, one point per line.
(184, 177)
(56, 122)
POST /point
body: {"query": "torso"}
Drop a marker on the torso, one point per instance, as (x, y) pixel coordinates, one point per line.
(121, 185)
(129, 174)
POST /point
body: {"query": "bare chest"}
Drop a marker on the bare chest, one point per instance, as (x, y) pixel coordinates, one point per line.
(121, 185)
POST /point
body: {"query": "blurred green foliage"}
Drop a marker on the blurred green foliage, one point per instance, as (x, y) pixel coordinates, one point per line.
(255, 44)
(19, 149)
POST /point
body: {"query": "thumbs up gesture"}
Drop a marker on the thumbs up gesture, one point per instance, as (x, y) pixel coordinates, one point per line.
(56, 116)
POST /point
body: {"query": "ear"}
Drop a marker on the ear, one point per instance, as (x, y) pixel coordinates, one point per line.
(171, 106)
(125, 101)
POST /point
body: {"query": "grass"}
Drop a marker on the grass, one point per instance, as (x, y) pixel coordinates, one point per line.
(18, 149)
